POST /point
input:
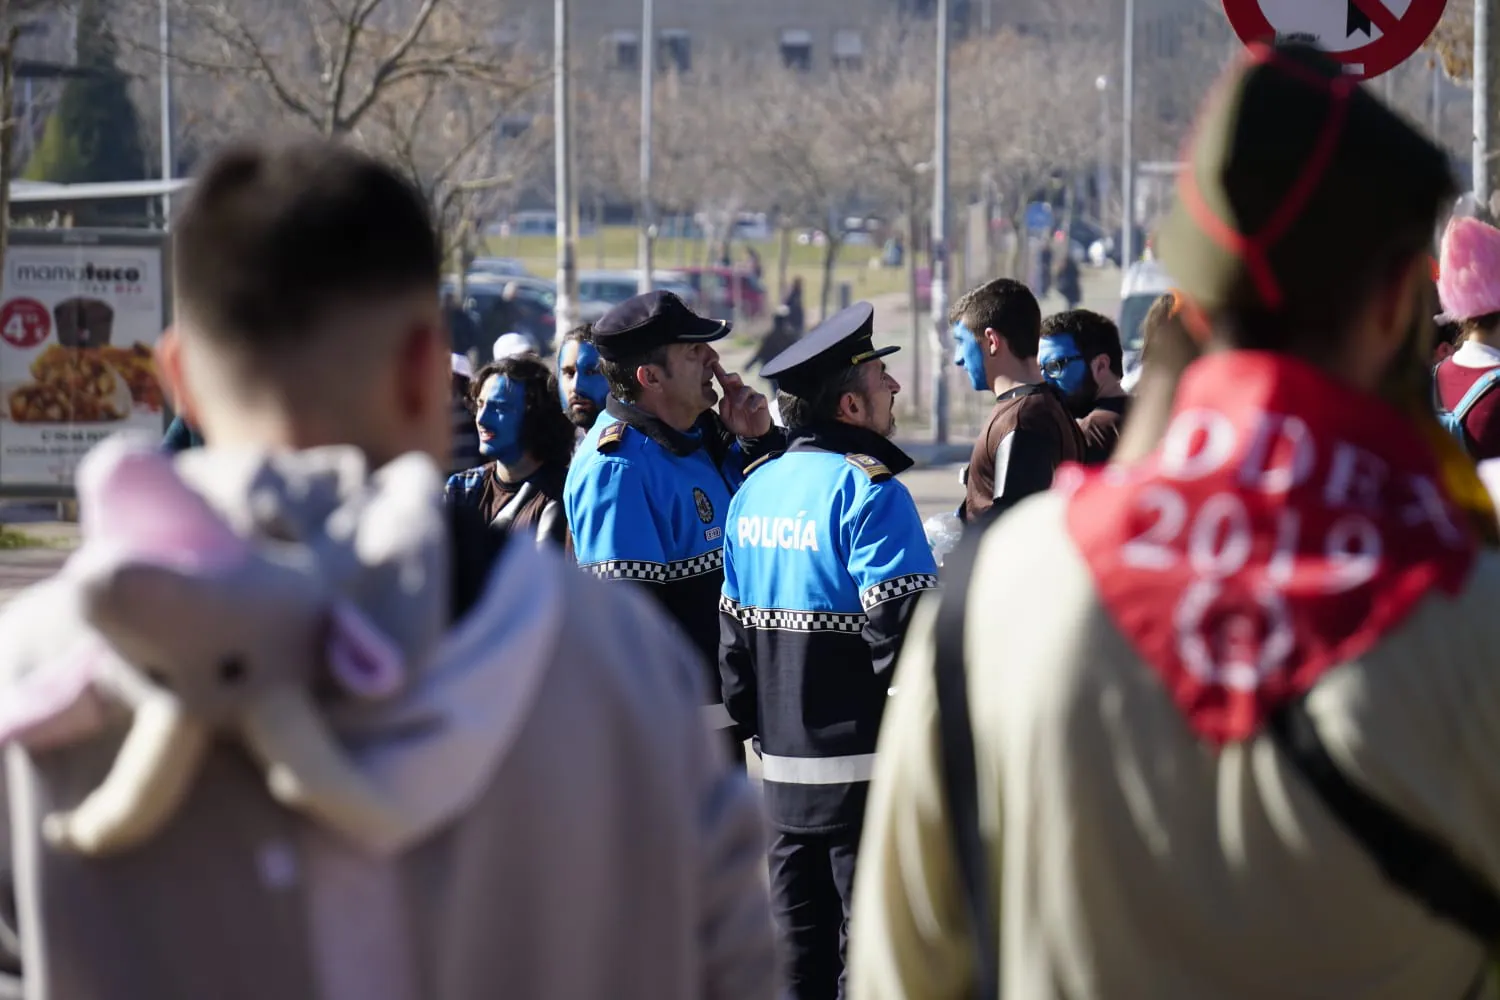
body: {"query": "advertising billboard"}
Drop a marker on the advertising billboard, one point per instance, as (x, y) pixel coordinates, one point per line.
(80, 314)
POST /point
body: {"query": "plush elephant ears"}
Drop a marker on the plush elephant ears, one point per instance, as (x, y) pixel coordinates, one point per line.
(132, 503)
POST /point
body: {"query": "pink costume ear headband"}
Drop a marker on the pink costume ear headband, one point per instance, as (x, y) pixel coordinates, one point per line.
(1469, 271)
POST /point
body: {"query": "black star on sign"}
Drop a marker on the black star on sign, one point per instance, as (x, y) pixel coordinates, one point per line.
(1358, 21)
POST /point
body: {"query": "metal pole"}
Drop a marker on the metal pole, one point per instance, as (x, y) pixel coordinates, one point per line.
(567, 274)
(940, 236)
(1436, 126)
(644, 247)
(1481, 148)
(1127, 143)
(1102, 180)
(166, 111)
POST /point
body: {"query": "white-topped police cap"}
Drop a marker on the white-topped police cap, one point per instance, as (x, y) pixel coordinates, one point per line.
(844, 340)
(650, 320)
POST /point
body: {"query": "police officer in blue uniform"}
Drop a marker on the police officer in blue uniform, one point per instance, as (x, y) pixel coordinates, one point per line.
(649, 486)
(824, 560)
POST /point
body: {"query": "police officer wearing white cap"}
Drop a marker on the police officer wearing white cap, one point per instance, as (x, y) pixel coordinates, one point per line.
(824, 559)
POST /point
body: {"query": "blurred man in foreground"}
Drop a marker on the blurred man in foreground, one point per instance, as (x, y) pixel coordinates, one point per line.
(525, 804)
(1244, 745)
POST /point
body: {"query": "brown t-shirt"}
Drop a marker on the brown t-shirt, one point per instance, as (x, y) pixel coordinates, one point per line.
(540, 511)
(1101, 428)
(1029, 434)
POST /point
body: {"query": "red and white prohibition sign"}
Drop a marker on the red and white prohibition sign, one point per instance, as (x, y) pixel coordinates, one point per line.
(1369, 37)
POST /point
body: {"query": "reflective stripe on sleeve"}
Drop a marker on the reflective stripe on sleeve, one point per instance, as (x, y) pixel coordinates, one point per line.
(817, 770)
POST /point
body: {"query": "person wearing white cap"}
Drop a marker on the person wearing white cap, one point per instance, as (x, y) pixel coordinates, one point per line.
(512, 345)
(465, 434)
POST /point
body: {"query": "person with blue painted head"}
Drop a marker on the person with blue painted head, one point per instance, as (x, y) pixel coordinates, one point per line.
(581, 386)
(1080, 356)
(650, 485)
(824, 561)
(526, 442)
(997, 328)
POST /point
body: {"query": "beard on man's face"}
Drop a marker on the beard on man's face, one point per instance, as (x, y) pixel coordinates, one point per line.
(582, 412)
(1081, 400)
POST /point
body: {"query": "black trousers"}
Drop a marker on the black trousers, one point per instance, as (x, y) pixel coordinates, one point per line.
(812, 889)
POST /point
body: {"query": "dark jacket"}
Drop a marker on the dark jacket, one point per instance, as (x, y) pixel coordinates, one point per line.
(824, 560)
(180, 436)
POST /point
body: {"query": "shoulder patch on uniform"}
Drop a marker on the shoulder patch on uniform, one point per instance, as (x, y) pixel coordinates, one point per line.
(870, 466)
(611, 436)
(761, 461)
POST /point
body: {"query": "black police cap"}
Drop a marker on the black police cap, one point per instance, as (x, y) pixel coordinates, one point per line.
(844, 340)
(652, 320)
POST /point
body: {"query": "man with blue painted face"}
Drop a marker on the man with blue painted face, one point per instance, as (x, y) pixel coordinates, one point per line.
(527, 442)
(996, 332)
(581, 386)
(824, 560)
(1080, 356)
(649, 487)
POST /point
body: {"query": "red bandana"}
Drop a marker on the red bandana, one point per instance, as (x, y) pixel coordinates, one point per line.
(1285, 523)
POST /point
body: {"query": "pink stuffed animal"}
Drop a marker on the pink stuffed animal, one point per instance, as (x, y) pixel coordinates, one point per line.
(201, 633)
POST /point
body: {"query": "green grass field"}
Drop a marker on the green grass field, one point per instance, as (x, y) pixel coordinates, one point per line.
(613, 248)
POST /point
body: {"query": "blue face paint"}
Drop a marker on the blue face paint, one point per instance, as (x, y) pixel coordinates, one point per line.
(502, 411)
(1062, 364)
(585, 379)
(966, 355)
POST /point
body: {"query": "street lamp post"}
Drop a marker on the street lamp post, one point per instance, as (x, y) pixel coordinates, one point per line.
(1481, 148)
(166, 111)
(567, 211)
(1102, 177)
(940, 235)
(1127, 143)
(647, 235)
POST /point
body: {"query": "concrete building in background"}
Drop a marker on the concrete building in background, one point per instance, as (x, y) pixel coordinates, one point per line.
(814, 36)
(806, 35)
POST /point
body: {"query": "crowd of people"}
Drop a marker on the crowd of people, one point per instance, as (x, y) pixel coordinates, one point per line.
(1202, 706)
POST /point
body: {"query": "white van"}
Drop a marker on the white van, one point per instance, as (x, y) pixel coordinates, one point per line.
(1143, 284)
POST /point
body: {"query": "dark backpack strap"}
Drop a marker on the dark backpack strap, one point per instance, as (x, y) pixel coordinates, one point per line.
(960, 780)
(475, 548)
(1414, 860)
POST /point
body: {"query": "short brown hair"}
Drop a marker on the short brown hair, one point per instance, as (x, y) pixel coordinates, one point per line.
(1008, 308)
(275, 236)
(1092, 332)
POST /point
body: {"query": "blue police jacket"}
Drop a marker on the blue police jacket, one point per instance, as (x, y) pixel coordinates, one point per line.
(824, 559)
(647, 503)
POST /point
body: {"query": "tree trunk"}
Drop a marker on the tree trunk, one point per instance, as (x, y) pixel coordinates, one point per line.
(918, 342)
(830, 257)
(783, 258)
(7, 133)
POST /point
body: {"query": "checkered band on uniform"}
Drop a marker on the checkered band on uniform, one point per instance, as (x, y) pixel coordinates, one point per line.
(644, 571)
(889, 590)
(628, 569)
(708, 562)
(777, 619)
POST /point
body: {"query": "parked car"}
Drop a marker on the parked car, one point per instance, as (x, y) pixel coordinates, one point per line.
(524, 305)
(1143, 284)
(724, 293)
(1081, 237)
(614, 287)
(504, 266)
(1106, 249)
